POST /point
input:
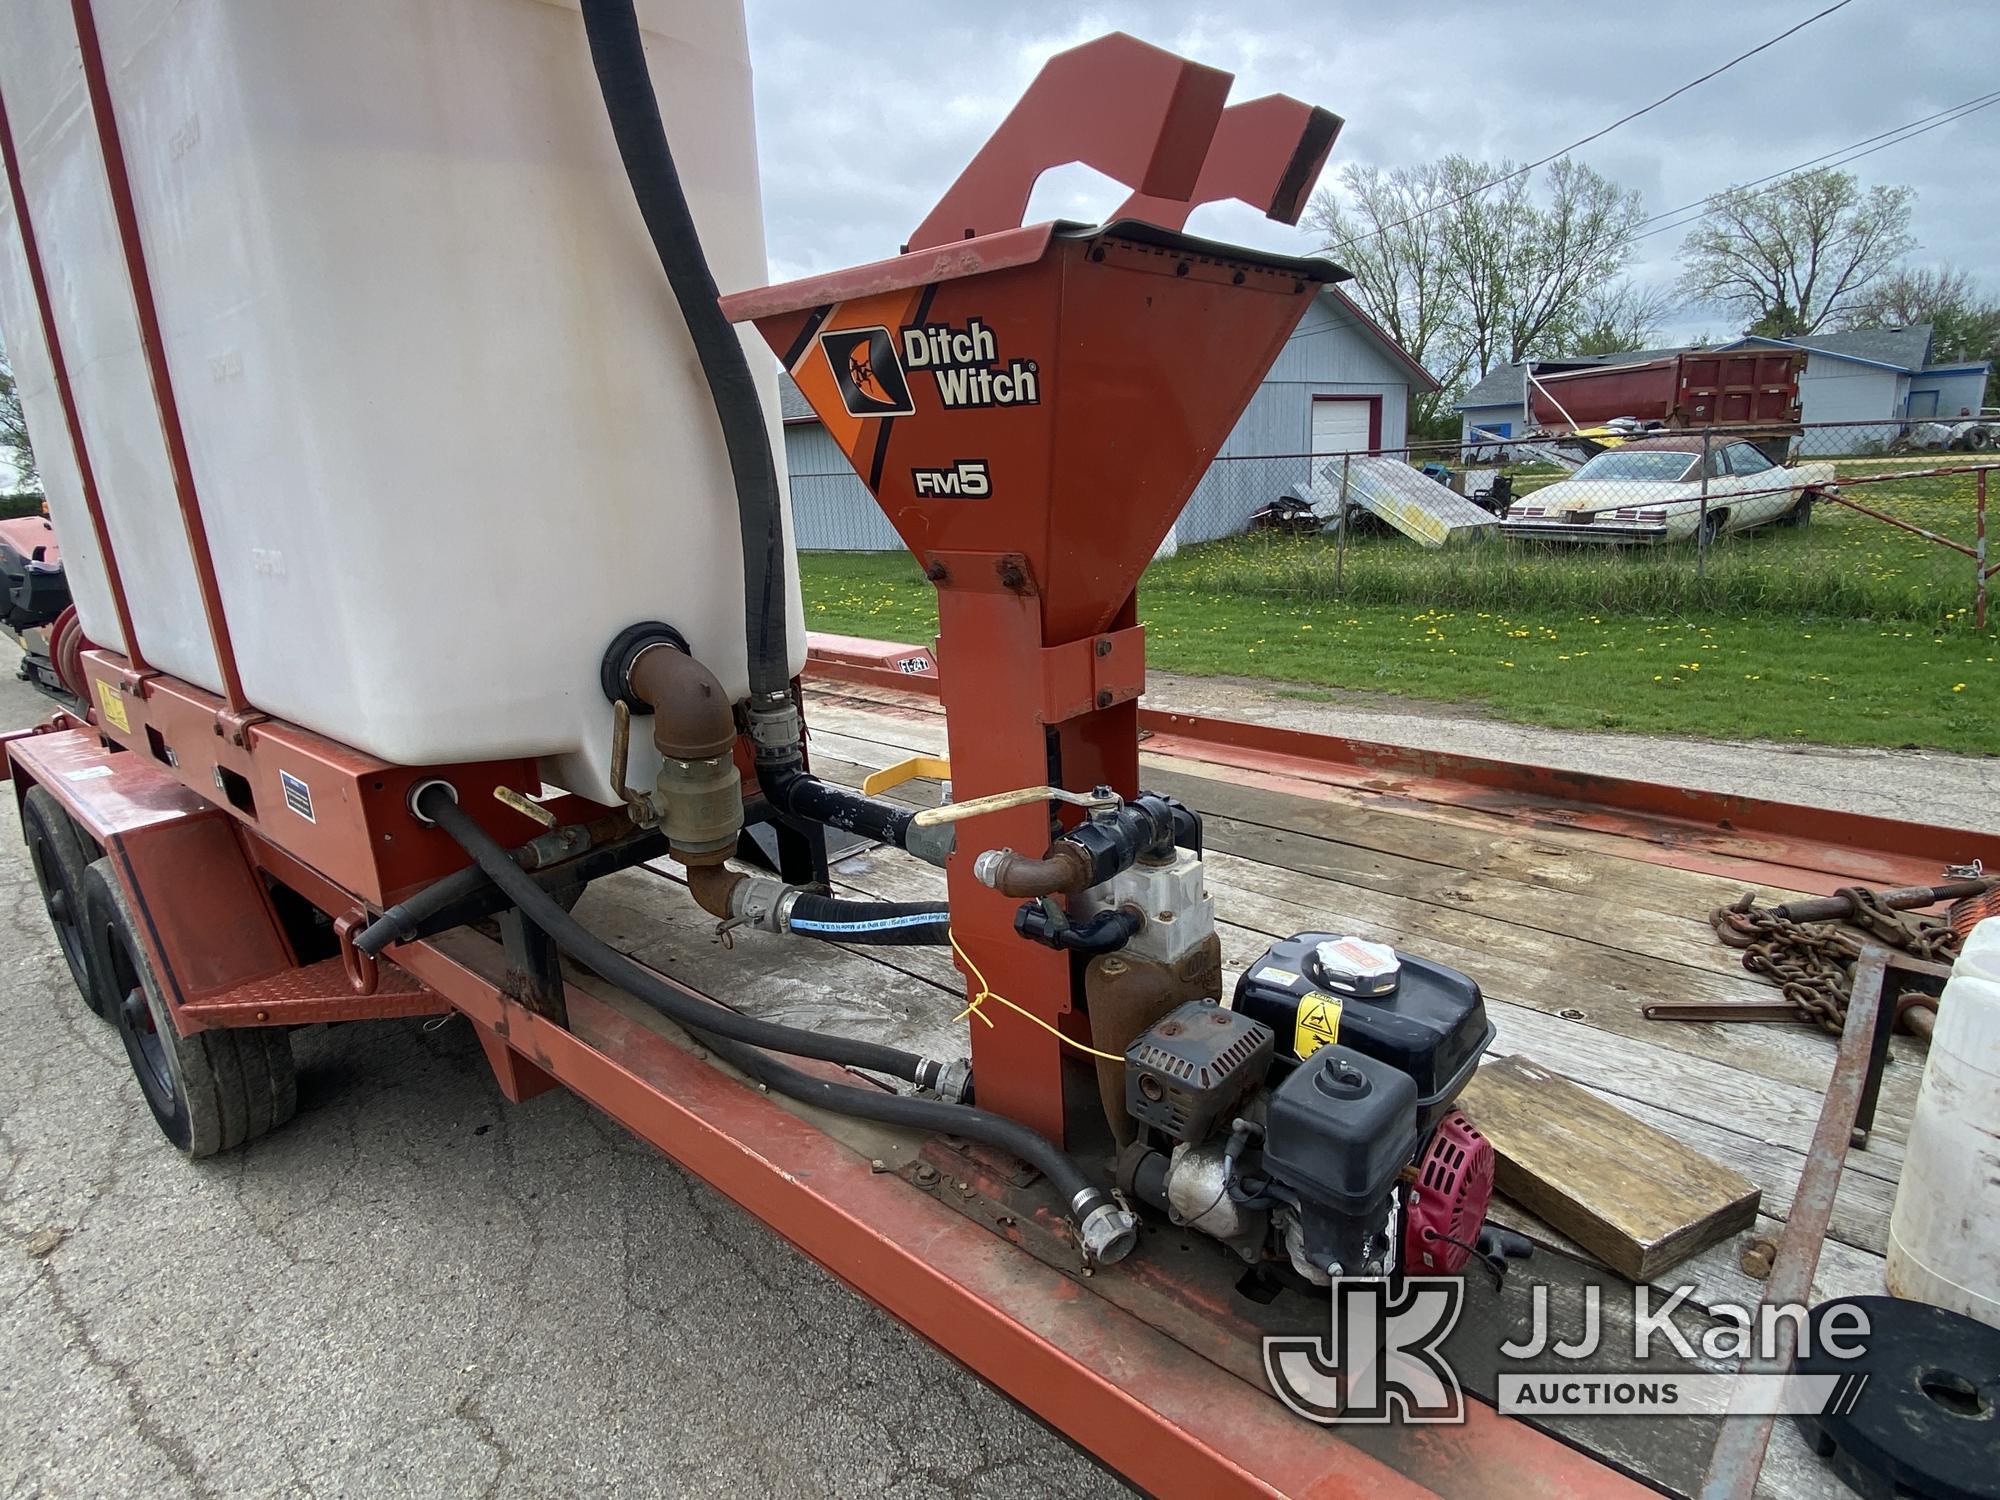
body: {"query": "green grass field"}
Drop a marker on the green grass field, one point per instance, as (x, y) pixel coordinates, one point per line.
(1843, 632)
(1844, 565)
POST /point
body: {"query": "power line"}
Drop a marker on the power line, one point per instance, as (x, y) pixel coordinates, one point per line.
(1866, 146)
(1902, 133)
(1596, 134)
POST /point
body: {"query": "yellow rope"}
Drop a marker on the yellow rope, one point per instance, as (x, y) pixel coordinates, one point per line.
(972, 1007)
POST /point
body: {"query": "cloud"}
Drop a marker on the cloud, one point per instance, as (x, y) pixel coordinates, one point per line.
(867, 112)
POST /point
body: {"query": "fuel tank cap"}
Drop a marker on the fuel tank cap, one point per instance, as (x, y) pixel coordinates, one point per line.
(1356, 966)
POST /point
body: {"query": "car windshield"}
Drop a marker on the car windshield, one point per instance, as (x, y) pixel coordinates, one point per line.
(1660, 465)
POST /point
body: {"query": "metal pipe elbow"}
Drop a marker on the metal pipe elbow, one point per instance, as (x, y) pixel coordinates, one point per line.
(692, 716)
(699, 793)
(1065, 870)
(714, 888)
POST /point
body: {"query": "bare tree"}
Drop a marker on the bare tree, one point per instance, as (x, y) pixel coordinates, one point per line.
(14, 429)
(1964, 324)
(1622, 315)
(1798, 252)
(1467, 271)
(1528, 262)
(1385, 228)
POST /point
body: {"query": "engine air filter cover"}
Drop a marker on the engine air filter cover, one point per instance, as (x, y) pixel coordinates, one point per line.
(1188, 1068)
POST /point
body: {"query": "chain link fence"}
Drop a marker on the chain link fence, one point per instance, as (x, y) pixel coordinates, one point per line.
(1876, 520)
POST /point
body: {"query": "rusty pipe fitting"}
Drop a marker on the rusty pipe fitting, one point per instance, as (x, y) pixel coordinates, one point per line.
(1064, 870)
(692, 718)
(699, 792)
(713, 886)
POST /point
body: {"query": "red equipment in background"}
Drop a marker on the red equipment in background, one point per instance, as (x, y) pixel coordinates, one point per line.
(1032, 408)
(1756, 387)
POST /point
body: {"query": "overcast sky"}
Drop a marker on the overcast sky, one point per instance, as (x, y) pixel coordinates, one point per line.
(866, 112)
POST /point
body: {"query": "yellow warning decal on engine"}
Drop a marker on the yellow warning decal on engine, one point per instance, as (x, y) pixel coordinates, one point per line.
(113, 706)
(1318, 1023)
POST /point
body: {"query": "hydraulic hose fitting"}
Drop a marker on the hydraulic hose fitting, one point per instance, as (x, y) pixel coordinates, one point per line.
(1110, 840)
(1065, 870)
(1106, 932)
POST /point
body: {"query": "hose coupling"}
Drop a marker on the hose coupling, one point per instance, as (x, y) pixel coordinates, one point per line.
(762, 902)
(775, 729)
(1105, 1228)
(950, 1081)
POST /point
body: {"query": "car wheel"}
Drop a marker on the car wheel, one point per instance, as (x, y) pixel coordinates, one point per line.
(1711, 527)
(1978, 439)
(1801, 512)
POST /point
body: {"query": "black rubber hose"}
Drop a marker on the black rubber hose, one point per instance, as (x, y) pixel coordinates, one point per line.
(1079, 1194)
(1106, 932)
(892, 924)
(804, 795)
(619, 55)
(727, 1032)
(570, 935)
(467, 895)
(403, 921)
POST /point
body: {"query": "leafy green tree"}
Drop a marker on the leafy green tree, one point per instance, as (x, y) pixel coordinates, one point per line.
(1781, 322)
(1622, 316)
(1385, 228)
(1530, 262)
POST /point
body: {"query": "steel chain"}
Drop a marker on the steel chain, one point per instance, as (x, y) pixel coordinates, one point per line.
(1812, 963)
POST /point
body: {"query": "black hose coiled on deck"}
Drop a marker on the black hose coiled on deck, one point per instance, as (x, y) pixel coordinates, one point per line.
(619, 55)
(729, 1032)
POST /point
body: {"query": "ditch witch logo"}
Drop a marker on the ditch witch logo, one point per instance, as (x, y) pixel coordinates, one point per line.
(964, 362)
(1381, 1359)
(863, 361)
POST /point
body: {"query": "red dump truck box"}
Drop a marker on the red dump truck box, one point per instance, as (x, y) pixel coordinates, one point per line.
(1696, 389)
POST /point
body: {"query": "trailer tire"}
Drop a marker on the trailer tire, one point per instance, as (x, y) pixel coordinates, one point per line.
(208, 1092)
(56, 853)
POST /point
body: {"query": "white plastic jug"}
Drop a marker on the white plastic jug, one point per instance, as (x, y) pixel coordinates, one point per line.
(448, 429)
(1944, 1234)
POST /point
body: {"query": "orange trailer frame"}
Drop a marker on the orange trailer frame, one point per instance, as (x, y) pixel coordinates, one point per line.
(200, 879)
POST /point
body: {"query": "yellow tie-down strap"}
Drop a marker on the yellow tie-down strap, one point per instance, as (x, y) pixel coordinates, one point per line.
(931, 767)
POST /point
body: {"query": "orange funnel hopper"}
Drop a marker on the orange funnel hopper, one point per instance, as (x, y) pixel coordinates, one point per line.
(1050, 395)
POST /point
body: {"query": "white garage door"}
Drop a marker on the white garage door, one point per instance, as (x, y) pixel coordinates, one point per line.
(1340, 426)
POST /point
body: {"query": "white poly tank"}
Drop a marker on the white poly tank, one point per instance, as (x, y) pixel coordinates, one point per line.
(1944, 1233)
(447, 426)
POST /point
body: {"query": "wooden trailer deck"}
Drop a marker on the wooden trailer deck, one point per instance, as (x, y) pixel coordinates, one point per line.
(1571, 921)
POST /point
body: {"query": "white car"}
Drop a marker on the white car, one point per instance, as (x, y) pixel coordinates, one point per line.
(1651, 490)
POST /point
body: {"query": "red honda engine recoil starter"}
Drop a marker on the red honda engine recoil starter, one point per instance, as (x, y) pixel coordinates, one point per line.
(1448, 1201)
